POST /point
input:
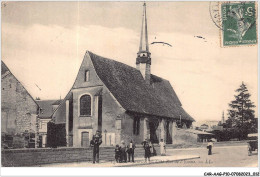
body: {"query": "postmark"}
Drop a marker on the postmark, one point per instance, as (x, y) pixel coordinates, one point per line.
(214, 10)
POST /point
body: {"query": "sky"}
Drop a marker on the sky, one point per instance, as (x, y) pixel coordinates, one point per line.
(43, 44)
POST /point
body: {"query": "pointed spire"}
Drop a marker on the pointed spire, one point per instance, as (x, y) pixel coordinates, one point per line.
(143, 60)
(144, 34)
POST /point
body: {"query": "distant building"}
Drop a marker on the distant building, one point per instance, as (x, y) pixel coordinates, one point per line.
(47, 107)
(204, 127)
(18, 109)
(201, 136)
(122, 102)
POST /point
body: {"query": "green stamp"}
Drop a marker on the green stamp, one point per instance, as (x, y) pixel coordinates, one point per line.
(238, 23)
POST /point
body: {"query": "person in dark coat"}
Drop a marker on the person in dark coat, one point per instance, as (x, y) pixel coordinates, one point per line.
(118, 154)
(210, 146)
(95, 143)
(123, 152)
(147, 151)
(131, 151)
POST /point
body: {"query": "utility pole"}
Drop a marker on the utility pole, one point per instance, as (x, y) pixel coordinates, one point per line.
(223, 118)
(36, 133)
(37, 129)
(180, 121)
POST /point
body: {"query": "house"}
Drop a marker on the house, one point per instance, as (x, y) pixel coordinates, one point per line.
(18, 110)
(201, 136)
(47, 108)
(123, 102)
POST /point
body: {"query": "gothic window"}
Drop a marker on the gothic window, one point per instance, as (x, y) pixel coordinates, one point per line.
(136, 126)
(86, 76)
(85, 105)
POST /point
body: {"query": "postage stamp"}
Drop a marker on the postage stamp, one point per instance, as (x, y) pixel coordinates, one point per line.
(238, 23)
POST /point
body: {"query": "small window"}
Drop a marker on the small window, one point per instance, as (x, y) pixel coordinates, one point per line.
(136, 126)
(85, 105)
(86, 76)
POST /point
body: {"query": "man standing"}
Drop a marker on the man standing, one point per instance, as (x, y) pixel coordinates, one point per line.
(95, 143)
(147, 152)
(210, 145)
(131, 151)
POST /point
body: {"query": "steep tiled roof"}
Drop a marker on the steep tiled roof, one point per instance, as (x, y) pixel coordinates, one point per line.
(6, 71)
(46, 108)
(57, 102)
(129, 88)
(4, 68)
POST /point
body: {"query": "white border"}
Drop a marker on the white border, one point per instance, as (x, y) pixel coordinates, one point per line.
(119, 171)
(133, 171)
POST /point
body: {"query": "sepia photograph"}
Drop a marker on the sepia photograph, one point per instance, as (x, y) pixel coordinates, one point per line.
(130, 84)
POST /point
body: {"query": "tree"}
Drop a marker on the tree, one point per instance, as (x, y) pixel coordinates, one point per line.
(241, 114)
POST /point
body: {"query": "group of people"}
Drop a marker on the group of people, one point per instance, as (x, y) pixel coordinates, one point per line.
(123, 151)
(120, 151)
(149, 149)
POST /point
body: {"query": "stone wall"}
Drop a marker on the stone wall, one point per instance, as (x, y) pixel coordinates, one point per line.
(34, 157)
(184, 137)
(18, 107)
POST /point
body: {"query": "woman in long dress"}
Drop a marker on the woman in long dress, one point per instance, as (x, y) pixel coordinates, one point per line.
(151, 147)
(162, 148)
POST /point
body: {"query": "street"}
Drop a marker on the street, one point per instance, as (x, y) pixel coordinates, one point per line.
(223, 156)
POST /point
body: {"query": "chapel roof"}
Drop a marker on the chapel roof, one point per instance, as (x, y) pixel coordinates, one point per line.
(131, 91)
(46, 108)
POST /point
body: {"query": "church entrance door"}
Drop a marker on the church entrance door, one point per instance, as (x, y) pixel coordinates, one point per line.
(85, 139)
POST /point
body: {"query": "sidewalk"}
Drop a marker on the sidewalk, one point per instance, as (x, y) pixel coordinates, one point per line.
(138, 162)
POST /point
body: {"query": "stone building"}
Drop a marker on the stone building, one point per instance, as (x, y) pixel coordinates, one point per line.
(47, 108)
(18, 109)
(123, 102)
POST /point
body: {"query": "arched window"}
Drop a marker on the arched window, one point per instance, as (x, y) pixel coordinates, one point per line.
(85, 105)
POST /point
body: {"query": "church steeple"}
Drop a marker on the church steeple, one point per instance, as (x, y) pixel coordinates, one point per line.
(144, 35)
(143, 60)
